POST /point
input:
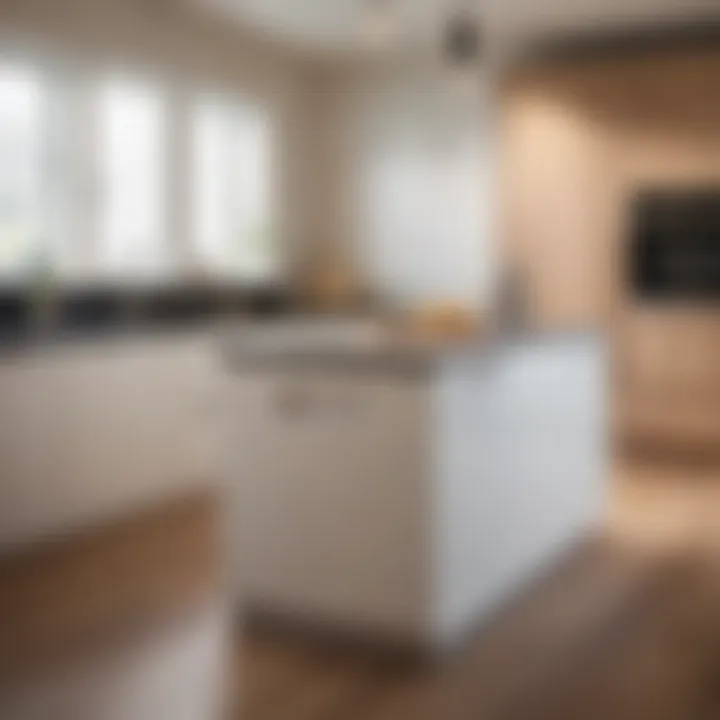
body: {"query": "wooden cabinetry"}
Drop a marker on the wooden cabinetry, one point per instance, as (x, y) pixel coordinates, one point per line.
(557, 203)
(580, 139)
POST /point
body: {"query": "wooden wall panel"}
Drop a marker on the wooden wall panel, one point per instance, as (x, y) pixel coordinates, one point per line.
(580, 139)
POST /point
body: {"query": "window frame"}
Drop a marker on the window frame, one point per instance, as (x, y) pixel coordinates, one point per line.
(78, 263)
(233, 105)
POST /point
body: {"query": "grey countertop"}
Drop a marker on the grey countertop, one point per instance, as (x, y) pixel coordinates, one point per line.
(344, 344)
(42, 344)
(365, 346)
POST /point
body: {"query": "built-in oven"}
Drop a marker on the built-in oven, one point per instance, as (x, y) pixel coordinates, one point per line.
(669, 338)
(674, 246)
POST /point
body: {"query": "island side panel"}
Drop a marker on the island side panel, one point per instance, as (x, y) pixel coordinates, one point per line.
(521, 465)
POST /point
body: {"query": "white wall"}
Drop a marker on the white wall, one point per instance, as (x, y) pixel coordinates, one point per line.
(421, 185)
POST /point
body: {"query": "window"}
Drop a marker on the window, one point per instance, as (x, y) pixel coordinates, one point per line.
(233, 233)
(132, 173)
(21, 179)
(90, 189)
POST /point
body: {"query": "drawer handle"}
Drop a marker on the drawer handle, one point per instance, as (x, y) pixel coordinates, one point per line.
(295, 401)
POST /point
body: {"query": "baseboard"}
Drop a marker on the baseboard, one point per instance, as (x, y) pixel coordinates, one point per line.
(512, 602)
(312, 630)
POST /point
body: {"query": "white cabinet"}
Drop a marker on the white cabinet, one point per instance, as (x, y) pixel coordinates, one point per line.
(329, 477)
(32, 430)
(411, 501)
(523, 460)
(96, 429)
(141, 416)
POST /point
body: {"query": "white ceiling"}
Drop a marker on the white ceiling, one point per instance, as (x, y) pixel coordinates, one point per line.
(338, 25)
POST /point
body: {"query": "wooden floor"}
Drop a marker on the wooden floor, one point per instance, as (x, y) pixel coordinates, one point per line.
(629, 631)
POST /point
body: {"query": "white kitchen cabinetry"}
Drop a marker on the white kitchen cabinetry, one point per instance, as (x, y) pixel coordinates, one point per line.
(94, 429)
(410, 498)
(331, 473)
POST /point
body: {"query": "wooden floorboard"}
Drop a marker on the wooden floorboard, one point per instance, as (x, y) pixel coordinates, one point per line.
(67, 595)
(630, 630)
(628, 638)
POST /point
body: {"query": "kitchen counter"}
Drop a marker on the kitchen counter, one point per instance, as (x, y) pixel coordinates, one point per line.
(407, 489)
(368, 346)
(92, 429)
(59, 338)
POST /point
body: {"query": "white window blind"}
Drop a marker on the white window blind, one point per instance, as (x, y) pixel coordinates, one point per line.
(132, 162)
(22, 167)
(233, 227)
(91, 186)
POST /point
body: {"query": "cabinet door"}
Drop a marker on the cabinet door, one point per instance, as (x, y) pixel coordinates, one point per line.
(140, 420)
(97, 430)
(330, 479)
(32, 447)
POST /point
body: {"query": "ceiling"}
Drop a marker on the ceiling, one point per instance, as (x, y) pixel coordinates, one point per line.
(340, 25)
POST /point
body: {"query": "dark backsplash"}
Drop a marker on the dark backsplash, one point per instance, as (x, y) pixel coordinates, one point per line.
(25, 315)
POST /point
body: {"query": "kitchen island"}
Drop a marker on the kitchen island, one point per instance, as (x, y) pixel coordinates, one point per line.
(405, 490)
